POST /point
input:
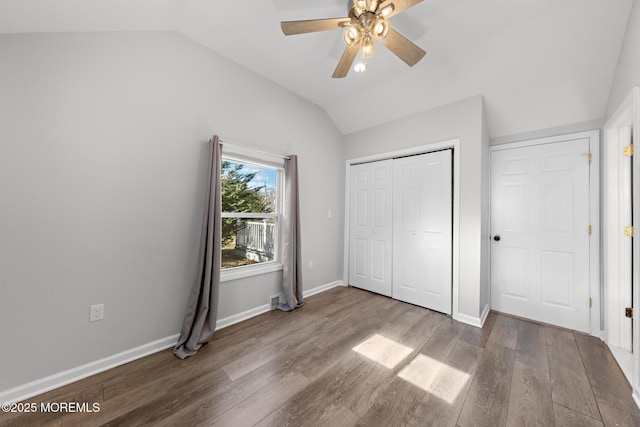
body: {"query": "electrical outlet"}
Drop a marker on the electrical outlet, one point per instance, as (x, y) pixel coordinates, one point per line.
(310, 265)
(96, 312)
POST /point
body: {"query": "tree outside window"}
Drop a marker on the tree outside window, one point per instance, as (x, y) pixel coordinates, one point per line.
(250, 213)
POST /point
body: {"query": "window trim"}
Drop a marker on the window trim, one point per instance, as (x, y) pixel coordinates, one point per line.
(235, 273)
(251, 157)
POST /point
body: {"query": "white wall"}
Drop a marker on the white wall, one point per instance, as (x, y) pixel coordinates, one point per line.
(102, 163)
(554, 131)
(627, 74)
(485, 284)
(461, 120)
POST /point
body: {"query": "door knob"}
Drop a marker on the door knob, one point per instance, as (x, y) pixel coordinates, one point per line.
(496, 238)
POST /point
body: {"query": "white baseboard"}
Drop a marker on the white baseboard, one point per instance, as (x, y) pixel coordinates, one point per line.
(484, 315)
(322, 288)
(624, 360)
(474, 321)
(69, 376)
(237, 318)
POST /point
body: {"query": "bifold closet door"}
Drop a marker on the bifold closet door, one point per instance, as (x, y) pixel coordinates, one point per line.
(422, 230)
(370, 227)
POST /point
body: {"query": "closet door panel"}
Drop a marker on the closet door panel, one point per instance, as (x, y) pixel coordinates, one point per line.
(370, 228)
(422, 230)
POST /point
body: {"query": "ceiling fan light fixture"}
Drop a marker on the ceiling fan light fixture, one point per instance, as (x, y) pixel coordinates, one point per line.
(366, 48)
(352, 35)
(380, 28)
(360, 67)
(385, 11)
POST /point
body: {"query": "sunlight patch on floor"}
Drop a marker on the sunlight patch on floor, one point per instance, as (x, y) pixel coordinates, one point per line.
(435, 377)
(383, 350)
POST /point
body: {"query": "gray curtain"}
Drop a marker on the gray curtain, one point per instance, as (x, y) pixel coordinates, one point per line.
(202, 311)
(292, 270)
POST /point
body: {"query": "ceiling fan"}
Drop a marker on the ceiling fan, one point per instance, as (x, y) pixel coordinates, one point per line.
(367, 20)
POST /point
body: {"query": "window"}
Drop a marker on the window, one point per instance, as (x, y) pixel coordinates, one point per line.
(251, 210)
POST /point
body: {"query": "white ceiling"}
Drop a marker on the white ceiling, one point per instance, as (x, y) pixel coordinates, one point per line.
(538, 63)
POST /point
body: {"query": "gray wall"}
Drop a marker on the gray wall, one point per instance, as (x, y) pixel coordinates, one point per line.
(627, 74)
(102, 168)
(461, 120)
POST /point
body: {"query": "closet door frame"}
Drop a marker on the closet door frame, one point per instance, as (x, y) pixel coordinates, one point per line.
(422, 149)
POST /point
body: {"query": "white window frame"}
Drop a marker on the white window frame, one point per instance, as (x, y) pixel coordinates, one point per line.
(265, 160)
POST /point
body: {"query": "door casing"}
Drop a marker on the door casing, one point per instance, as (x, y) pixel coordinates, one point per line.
(627, 115)
(455, 145)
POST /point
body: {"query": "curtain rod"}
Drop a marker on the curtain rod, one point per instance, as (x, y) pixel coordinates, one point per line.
(280, 156)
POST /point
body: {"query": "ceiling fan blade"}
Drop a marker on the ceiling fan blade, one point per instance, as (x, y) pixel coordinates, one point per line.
(345, 62)
(290, 28)
(397, 6)
(403, 48)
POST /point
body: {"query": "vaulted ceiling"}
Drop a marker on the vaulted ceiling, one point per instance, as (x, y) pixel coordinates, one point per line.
(538, 63)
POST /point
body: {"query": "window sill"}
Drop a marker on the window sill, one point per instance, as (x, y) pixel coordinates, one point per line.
(254, 270)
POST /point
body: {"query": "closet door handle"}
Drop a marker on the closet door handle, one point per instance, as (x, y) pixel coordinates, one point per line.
(496, 238)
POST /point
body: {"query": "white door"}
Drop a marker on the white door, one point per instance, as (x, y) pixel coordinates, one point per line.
(540, 233)
(422, 230)
(618, 254)
(370, 228)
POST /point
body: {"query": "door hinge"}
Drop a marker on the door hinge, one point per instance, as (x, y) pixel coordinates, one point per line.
(628, 312)
(628, 151)
(628, 231)
(590, 230)
(589, 156)
(590, 303)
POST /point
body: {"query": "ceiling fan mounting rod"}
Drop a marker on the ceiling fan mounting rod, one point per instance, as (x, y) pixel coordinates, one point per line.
(360, 6)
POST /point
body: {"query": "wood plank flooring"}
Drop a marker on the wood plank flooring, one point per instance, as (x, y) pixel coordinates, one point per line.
(349, 357)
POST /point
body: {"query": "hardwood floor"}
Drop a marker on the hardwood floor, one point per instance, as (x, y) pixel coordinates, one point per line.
(349, 357)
